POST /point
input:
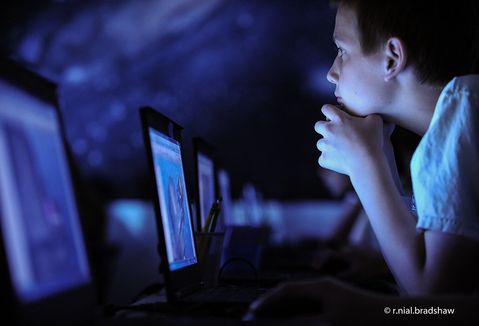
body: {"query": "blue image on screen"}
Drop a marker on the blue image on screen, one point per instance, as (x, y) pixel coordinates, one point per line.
(39, 220)
(175, 213)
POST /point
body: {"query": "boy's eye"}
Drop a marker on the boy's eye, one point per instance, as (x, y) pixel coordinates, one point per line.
(340, 51)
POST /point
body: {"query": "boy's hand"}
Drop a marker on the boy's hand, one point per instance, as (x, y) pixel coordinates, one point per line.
(324, 297)
(348, 141)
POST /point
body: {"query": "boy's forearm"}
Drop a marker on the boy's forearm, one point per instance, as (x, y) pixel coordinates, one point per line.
(394, 226)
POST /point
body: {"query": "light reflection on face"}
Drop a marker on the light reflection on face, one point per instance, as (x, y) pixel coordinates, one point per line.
(360, 86)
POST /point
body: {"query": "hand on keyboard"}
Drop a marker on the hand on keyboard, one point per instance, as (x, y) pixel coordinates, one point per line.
(321, 297)
(286, 300)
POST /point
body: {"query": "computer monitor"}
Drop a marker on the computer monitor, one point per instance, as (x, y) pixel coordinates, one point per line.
(162, 139)
(44, 263)
(175, 212)
(205, 179)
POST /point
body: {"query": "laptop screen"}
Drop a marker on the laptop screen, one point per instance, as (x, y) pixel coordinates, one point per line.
(206, 185)
(175, 213)
(39, 220)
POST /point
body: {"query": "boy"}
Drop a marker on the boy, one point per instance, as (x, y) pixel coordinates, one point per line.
(391, 64)
(401, 62)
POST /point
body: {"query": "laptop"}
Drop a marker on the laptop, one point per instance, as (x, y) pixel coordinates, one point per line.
(44, 269)
(177, 247)
(206, 185)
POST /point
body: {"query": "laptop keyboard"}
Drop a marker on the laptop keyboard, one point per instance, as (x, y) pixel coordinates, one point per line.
(222, 301)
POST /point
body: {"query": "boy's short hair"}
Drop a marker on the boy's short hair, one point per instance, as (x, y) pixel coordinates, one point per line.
(442, 38)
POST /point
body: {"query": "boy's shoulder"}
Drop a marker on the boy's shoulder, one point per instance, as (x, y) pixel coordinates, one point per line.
(462, 93)
(466, 83)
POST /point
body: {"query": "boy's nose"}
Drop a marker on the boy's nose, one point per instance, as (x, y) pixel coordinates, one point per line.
(332, 75)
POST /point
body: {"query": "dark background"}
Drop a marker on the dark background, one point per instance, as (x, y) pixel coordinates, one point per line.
(247, 76)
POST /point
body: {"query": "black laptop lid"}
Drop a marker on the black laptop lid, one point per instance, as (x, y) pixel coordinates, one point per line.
(44, 263)
(175, 229)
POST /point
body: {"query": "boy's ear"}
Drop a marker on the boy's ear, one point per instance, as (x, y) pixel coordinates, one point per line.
(396, 55)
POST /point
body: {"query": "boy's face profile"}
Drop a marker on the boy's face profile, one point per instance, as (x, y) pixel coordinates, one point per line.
(360, 86)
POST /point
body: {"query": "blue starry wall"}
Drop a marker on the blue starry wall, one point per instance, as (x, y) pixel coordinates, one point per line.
(248, 76)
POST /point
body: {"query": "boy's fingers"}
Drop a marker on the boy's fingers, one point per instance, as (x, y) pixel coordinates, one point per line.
(388, 128)
(332, 113)
(320, 144)
(269, 299)
(320, 127)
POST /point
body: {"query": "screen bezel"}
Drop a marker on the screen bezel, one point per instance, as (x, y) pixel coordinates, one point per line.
(78, 302)
(188, 278)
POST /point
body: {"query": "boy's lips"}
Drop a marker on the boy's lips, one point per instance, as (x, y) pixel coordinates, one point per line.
(340, 101)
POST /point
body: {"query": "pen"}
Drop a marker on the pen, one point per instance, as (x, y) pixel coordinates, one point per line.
(211, 220)
(215, 217)
(209, 227)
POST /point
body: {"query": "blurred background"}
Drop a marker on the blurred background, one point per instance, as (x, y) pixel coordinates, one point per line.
(247, 76)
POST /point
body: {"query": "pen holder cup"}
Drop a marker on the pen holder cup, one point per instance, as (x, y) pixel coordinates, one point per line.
(209, 246)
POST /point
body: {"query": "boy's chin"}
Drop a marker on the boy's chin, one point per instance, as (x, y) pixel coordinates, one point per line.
(352, 111)
(360, 112)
